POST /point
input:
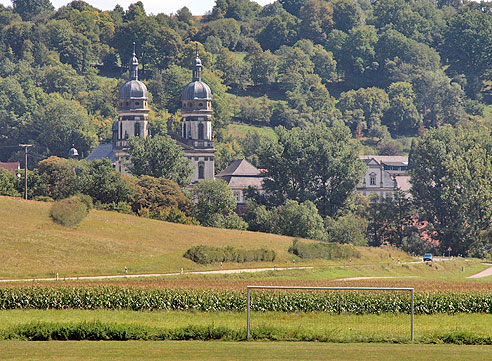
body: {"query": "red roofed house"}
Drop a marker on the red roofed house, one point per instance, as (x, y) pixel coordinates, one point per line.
(10, 166)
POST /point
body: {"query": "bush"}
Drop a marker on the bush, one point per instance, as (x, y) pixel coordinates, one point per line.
(120, 207)
(207, 255)
(71, 211)
(323, 250)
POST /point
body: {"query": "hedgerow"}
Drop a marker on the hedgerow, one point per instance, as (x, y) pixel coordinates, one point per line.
(96, 330)
(327, 250)
(207, 254)
(115, 298)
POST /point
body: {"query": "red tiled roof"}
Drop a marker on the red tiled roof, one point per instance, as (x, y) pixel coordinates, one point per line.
(10, 166)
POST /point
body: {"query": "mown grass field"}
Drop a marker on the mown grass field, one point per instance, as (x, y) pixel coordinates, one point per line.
(197, 350)
(32, 245)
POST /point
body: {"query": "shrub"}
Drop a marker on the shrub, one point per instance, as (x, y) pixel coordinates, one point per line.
(207, 255)
(120, 207)
(323, 250)
(70, 211)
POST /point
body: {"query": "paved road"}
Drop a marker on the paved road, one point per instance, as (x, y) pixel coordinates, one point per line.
(72, 278)
(485, 273)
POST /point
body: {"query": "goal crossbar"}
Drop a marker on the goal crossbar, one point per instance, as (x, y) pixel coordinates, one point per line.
(249, 288)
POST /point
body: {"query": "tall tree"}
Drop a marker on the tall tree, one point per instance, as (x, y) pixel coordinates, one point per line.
(214, 199)
(467, 47)
(316, 163)
(28, 9)
(159, 156)
(103, 183)
(452, 186)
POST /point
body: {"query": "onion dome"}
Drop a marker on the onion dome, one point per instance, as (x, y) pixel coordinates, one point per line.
(73, 153)
(196, 89)
(133, 88)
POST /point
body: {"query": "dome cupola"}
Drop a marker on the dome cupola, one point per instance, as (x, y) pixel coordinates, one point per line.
(133, 88)
(196, 89)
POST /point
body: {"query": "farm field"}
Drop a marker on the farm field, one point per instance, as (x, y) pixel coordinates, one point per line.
(198, 350)
(107, 242)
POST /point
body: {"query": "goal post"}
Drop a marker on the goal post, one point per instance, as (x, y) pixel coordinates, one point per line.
(249, 288)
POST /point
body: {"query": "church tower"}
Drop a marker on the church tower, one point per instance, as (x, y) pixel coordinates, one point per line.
(196, 125)
(132, 115)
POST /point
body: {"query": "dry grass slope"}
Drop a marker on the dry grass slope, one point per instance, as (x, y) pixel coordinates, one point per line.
(32, 245)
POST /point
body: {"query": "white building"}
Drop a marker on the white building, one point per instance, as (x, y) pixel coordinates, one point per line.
(384, 175)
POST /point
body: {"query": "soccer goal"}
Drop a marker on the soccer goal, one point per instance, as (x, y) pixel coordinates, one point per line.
(250, 288)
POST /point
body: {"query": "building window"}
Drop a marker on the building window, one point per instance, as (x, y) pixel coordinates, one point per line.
(201, 171)
(137, 103)
(196, 159)
(189, 105)
(372, 179)
(184, 130)
(200, 104)
(200, 131)
(137, 129)
(237, 195)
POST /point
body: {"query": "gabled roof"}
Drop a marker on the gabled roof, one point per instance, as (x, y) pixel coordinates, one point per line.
(385, 159)
(102, 151)
(403, 182)
(240, 168)
(10, 166)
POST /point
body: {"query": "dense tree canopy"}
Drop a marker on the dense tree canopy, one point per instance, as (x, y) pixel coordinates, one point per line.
(159, 156)
(452, 186)
(317, 164)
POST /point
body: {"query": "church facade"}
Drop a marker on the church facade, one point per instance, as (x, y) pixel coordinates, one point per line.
(195, 138)
(196, 125)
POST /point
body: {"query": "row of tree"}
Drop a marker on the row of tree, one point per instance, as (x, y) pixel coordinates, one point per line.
(309, 191)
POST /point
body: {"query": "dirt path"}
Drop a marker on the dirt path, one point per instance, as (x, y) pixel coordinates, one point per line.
(370, 278)
(73, 278)
(485, 273)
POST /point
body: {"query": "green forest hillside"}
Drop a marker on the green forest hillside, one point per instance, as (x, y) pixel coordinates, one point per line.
(388, 70)
(105, 242)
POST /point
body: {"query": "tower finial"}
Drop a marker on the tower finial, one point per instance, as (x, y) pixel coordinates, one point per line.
(134, 65)
(197, 66)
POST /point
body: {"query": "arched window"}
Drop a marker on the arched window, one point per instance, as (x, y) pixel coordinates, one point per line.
(201, 170)
(137, 129)
(372, 179)
(184, 130)
(200, 104)
(200, 131)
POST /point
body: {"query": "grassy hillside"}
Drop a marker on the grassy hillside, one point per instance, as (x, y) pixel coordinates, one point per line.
(105, 242)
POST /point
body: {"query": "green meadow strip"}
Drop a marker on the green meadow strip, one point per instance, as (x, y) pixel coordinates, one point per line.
(98, 331)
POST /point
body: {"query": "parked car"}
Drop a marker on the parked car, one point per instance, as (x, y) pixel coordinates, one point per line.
(427, 257)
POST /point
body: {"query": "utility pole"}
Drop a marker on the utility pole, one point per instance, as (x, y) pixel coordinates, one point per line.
(25, 167)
